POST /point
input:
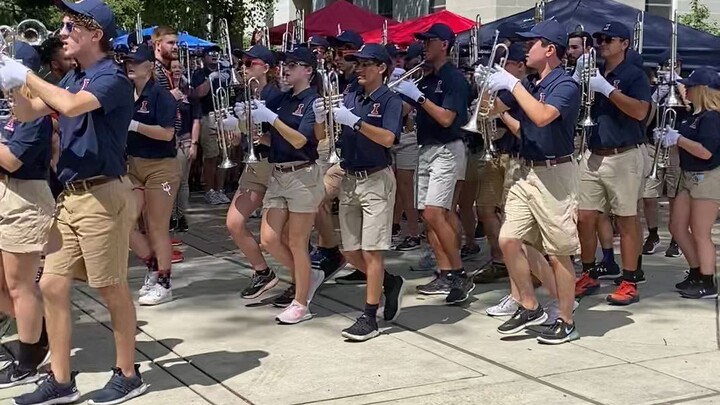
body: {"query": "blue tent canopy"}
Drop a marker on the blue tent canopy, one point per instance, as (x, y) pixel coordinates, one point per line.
(695, 48)
(183, 38)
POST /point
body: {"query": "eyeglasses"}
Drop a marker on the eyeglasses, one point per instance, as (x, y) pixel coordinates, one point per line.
(293, 65)
(606, 40)
(68, 26)
(213, 54)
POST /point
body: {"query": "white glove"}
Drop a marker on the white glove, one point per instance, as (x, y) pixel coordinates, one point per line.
(671, 137)
(501, 79)
(13, 74)
(221, 76)
(319, 110)
(600, 85)
(581, 61)
(396, 73)
(230, 124)
(133, 126)
(409, 89)
(261, 114)
(240, 110)
(344, 116)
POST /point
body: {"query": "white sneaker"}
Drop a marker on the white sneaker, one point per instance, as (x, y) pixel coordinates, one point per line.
(316, 279)
(295, 313)
(506, 307)
(150, 281)
(156, 295)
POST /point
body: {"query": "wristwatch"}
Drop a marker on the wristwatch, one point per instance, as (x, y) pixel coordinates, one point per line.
(422, 99)
(357, 125)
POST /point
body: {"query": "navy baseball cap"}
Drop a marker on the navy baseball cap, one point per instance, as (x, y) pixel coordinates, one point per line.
(302, 55)
(27, 55)
(517, 52)
(550, 30)
(705, 76)
(392, 50)
(614, 29)
(438, 31)
(100, 12)
(259, 52)
(318, 40)
(347, 38)
(143, 53)
(414, 50)
(373, 52)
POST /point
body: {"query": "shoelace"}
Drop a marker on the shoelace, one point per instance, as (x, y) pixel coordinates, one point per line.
(625, 288)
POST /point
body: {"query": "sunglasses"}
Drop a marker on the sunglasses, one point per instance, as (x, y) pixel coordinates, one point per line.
(213, 54)
(253, 62)
(367, 63)
(606, 40)
(68, 26)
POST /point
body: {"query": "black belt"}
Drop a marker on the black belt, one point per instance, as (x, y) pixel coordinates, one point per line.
(293, 168)
(363, 174)
(82, 186)
(548, 162)
(612, 151)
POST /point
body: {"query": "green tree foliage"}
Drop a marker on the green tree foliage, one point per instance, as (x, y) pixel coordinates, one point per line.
(699, 18)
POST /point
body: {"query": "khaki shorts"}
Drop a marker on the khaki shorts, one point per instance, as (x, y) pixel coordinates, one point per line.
(366, 211)
(208, 139)
(614, 181)
(92, 231)
(541, 209)
(255, 177)
(438, 171)
(300, 191)
(332, 178)
(701, 185)
(668, 177)
(155, 174)
(26, 215)
(405, 154)
(492, 182)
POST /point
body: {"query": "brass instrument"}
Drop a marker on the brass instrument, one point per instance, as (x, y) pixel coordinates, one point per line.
(587, 96)
(266, 36)
(139, 30)
(661, 159)
(299, 27)
(226, 47)
(480, 120)
(455, 55)
(638, 33)
(385, 33)
(410, 74)
(540, 11)
(331, 97)
(184, 54)
(474, 42)
(252, 94)
(673, 98)
(221, 111)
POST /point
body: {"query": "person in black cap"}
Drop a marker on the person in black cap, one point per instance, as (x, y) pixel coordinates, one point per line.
(540, 207)
(26, 216)
(698, 194)
(616, 150)
(442, 107)
(154, 171)
(295, 188)
(370, 119)
(95, 104)
(205, 80)
(258, 62)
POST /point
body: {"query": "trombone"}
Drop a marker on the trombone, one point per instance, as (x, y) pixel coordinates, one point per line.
(661, 159)
(474, 50)
(251, 95)
(673, 99)
(540, 11)
(638, 33)
(331, 97)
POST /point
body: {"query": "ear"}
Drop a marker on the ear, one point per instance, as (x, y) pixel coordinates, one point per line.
(267, 68)
(384, 69)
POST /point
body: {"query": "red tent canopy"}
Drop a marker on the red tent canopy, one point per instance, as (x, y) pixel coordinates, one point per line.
(403, 34)
(326, 20)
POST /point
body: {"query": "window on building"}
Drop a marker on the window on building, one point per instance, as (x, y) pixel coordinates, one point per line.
(436, 5)
(660, 8)
(385, 8)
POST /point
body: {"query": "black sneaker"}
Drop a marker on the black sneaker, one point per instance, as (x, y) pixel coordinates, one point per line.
(393, 298)
(364, 328)
(439, 286)
(355, 278)
(331, 264)
(651, 244)
(639, 278)
(521, 319)
(673, 250)
(469, 251)
(182, 225)
(13, 375)
(285, 299)
(396, 230)
(51, 392)
(692, 277)
(173, 223)
(559, 333)
(460, 288)
(605, 272)
(700, 289)
(491, 272)
(120, 388)
(259, 284)
(408, 244)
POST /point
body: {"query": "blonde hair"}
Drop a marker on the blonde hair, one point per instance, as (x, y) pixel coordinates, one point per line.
(704, 98)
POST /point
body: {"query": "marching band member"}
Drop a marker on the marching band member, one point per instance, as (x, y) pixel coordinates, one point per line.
(26, 215)
(441, 110)
(258, 61)
(371, 119)
(696, 202)
(540, 207)
(615, 152)
(295, 187)
(95, 212)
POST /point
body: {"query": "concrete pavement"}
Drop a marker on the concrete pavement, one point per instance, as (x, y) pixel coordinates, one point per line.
(211, 346)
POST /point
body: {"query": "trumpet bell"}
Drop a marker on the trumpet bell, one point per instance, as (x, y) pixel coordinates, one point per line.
(673, 101)
(333, 158)
(588, 122)
(471, 126)
(227, 163)
(487, 156)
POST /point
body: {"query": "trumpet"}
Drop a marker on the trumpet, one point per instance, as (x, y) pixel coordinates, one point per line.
(474, 48)
(385, 33)
(638, 33)
(251, 95)
(410, 73)
(218, 117)
(661, 159)
(332, 98)
(673, 99)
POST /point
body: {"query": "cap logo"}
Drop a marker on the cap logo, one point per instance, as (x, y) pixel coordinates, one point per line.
(299, 110)
(438, 88)
(143, 107)
(375, 113)
(606, 27)
(361, 48)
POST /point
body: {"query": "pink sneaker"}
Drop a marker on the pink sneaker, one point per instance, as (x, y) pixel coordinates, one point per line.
(293, 314)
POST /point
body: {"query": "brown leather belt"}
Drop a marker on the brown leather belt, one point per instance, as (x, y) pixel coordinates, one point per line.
(4, 177)
(363, 174)
(612, 151)
(293, 168)
(548, 162)
(82, 186)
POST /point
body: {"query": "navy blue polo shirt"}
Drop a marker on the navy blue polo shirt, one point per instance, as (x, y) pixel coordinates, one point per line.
(348, 86)
(383, 109)
(295, 111)
(508, 143)
(31, 143)
(702, 128)
(189, 112)
(93, 144)
(556, 139)
(154, 106)
(199, 77)
(614, 128)
(447, 88)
